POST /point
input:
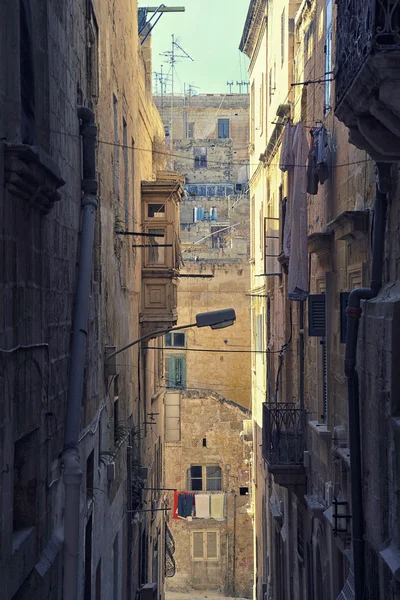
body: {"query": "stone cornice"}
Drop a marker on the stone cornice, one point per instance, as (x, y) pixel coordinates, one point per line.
(252, 26)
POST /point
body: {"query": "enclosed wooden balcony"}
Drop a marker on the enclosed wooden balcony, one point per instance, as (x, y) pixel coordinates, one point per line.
(161, 256)
(284, 442)
(367, 75)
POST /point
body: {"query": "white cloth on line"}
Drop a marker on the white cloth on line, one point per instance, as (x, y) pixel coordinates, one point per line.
(202, 503)
(217, 506)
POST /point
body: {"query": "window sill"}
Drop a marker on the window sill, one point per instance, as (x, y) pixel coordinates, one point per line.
(321, 429)
(30, 174)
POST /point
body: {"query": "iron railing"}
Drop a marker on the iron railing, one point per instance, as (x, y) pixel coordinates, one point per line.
(170, 566)
(283, 433)
(363, 27)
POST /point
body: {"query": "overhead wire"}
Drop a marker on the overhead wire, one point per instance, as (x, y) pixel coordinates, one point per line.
(190, 158)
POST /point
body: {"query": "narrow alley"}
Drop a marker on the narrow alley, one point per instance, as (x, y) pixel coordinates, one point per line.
(199, 300)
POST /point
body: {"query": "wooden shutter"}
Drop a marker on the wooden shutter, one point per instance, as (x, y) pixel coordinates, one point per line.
(198, 545)
(344, 299)
(316, 315)
(212, 545)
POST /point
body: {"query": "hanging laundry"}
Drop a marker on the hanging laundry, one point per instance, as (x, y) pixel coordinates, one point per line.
(217, 506)
(185, 504)
(312, 175)
(286, 164)
(298, 259)
(322, 155)
(317, 169)
(202, 506)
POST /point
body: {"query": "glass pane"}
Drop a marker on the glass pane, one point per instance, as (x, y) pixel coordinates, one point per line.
(214, 481)
(168, 340)
(179, 340)
(196, 485)
(156, 253)
(156, 210)
(195, 471)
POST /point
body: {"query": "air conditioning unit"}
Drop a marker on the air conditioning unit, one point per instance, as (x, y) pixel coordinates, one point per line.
(148, 591)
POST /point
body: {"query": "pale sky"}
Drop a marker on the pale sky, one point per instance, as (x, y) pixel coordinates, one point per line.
(210, 32)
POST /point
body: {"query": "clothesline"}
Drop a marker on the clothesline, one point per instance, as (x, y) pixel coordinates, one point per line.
(199, 505)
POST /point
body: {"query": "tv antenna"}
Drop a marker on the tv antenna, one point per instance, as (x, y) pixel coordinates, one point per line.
(172, 56)
(229, 84)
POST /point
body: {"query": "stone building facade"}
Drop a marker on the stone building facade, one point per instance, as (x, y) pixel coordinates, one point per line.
(214, 232)
(208, 371)
(56, 57)
(324, 497)
(207, 453)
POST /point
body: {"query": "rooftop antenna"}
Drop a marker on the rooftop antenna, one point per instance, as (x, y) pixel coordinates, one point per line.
(172, 57)
(229, 84)
(163, 80)
(241, 84)
(191, 91)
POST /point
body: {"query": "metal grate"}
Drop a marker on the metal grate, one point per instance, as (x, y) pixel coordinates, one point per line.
(283, 433)
(363, 27)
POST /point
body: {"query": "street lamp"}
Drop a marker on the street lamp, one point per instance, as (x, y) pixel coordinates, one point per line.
(216, 319)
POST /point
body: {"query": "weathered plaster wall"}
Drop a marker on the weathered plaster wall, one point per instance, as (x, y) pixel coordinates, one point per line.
(219, 421)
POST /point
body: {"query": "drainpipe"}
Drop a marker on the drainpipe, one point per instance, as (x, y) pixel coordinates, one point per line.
(72, 472)
(353, 313)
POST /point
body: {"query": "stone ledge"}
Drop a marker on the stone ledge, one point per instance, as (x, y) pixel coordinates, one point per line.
(321, 430)
(350, 225)
(30, 174)
(320, 244)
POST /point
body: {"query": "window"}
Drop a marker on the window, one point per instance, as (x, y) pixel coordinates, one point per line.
(252, 118)
(219, 237)
(271, 245)
(261, 109)
(259, 333)
(200, 157)
(271, 85)
(156, 249)
(223, 128)
(190, 130)
(175, 340)
(328, 57)
(205, 545)
(283, 35)
(156, 211)
(176, 372)
(205, 478)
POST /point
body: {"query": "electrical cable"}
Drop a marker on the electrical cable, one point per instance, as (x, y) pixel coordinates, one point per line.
(190, 158)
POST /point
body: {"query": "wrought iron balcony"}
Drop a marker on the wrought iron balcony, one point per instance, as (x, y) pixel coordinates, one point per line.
(367, 74)
(284, 441)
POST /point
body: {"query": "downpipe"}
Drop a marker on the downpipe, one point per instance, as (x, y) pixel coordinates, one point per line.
(353, 313)
(70, 457)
